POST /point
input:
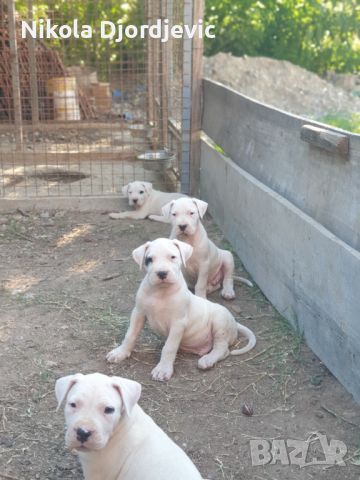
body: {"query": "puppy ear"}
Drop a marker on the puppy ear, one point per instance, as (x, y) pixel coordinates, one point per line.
(129, 392)
(125, 189)
(139, 254)
(63, 386)
(166, 209)
(147, 186)
(185, 250)
(201, 206)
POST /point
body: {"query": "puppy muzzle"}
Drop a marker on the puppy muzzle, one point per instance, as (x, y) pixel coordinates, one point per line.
(163, 277)
(83, 435)
(162, 274)
(78, 442)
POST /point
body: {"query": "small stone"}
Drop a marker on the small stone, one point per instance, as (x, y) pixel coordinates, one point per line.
(247, 410)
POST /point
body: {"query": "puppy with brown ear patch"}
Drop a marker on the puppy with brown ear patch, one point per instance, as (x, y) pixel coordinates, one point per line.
(113, 436)
(209, 268)
(190, 323)
(146, 201)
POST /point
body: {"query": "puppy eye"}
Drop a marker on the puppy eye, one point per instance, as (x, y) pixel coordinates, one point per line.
(173, 257)
(141, 192)
(73, 405)
(174, 214)
(148, 260)
(109, 410)
(192, 213)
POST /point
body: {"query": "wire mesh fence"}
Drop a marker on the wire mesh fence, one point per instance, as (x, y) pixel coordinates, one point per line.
(83, 116)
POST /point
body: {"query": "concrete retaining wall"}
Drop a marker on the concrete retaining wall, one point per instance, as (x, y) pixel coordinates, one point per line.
(266, 142)
(308, 273)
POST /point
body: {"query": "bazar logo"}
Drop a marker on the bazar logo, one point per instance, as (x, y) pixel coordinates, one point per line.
(296, 452)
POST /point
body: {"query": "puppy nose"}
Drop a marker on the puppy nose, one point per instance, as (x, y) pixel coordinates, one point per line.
(135, 200)
(182, 227)
(82, 435)
(162, 275)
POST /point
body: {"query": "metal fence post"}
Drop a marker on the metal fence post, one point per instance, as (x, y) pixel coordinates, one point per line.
(33, 71)
(15, 75)
(191, 93)
(186, 102)
(196, 101)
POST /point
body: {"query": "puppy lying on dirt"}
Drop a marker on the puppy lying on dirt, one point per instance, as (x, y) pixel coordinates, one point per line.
(188, 322)
(146, 201)
(209, 268)
(113, 436)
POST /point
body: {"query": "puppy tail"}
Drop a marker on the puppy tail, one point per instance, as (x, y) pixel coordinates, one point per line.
(243, 280)
(249, 335)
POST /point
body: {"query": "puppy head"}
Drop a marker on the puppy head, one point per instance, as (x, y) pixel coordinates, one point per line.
(137, 193)
(162, 260)
(185, 214)
(94, 405)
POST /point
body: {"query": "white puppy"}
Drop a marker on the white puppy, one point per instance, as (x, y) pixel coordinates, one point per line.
(113, 436)
(209, 267)
(188, 322)
(146, 201)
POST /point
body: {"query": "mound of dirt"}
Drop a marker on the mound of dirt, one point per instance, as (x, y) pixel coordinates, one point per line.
(281, 84)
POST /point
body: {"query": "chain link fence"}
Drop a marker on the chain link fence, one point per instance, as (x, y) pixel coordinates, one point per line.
(83, 116)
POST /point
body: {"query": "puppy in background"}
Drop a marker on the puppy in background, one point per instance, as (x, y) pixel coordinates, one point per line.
(146, 201)
(114, 438)
(209, 267)
(189, 323)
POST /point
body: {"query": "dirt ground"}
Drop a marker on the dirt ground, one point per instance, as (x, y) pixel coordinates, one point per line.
(67, 287)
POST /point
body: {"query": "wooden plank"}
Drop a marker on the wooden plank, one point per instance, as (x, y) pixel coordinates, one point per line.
(266, 142)
(15, 75)
(174, 128)
(292, 258)
(196, 101)
(328, 140)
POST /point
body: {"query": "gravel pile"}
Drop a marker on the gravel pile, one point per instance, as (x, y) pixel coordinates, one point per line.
(281, 84)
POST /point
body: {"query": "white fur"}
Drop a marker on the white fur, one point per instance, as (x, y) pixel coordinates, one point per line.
(146, 201)
(209, 267)
(125, 444)
(188, 322)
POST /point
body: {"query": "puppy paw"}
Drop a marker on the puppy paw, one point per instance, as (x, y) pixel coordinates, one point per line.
(117, 355)
(157, 218)
(117, 216)
(205, 362)
(162, 373)
(228, 293)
